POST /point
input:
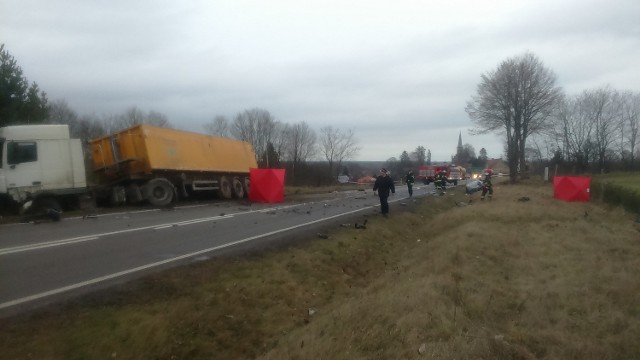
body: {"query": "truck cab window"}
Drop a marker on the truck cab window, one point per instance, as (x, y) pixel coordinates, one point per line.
(21, 152)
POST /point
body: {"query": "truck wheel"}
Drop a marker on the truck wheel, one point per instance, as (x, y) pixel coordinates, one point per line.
(225, 190)
(159, 192)
(247, 186)
(238, 188)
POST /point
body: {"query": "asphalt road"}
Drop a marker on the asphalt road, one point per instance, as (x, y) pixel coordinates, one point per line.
(45, 263)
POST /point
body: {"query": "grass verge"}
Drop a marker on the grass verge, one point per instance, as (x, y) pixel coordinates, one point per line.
(499, 279)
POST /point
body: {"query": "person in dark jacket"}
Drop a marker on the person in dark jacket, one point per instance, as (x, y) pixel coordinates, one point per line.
(384, 185)
(410, 180)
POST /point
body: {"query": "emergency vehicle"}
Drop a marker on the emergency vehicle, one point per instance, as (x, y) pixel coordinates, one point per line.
(427, 173)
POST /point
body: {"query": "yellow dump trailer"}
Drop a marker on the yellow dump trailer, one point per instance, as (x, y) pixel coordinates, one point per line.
(158, 164)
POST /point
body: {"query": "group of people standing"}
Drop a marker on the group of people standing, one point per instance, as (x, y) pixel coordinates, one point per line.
(384, 186)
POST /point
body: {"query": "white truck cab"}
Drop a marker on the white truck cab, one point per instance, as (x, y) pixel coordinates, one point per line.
(40, 161)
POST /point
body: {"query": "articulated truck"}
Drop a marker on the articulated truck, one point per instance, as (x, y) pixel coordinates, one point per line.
(42, 167)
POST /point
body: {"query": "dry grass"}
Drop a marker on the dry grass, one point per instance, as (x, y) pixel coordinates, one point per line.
(499, 279)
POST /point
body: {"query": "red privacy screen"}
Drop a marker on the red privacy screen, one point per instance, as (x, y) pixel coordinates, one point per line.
(571, 188)
(266, 185)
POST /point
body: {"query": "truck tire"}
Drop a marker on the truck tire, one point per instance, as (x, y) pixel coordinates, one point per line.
(238, 188)
(225, 190)
(159, 192)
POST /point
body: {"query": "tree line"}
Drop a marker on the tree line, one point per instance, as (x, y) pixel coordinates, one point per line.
(594, 131)
(465, 157)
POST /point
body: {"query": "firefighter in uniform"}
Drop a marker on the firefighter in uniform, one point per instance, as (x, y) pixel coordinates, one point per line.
(410, 180)
(441, 180)
(487, 187)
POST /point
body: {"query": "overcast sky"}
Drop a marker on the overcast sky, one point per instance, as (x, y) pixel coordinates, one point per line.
(399, 73)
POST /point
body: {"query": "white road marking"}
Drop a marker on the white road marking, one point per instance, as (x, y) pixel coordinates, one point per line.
(17, 249)
(159, 263)
(43, 245)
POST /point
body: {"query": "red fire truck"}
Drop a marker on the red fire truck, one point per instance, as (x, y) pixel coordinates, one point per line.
(427, 173)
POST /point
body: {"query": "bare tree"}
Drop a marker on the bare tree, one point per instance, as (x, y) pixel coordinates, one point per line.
(603, 106)
(516, 99)
(61, 113)
(131, 117)
(219, 126)
(89, 127)
(301, 142)
(257, 127)
(573, 129)
(337, 146)
(157, 119)
(80, 127)
(631, 123)
(111, 123)
(134, 116)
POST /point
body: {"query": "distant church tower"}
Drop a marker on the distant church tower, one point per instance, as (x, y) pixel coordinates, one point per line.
(458, 159)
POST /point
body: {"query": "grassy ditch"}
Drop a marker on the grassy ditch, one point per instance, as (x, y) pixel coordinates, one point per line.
(522, 276)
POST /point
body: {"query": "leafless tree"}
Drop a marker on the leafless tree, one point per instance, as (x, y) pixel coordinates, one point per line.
(157, 119)
(631, 122)
(134, 116)
(301, 142)
(61, 113)
(219, 126)
(257, 127)
(131, 117)
(573, 129)
(80, 127)
(111, 123)
(604, 110)
(337, 146)
(516, 99)
(89, 127)
(279, 140)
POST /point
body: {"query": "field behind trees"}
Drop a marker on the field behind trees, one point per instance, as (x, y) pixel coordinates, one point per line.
(522, 276)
